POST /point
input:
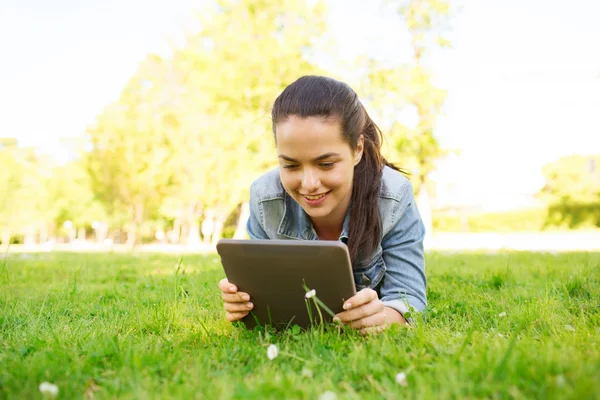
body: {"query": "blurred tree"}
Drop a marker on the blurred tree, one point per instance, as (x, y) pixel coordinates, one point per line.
(230, 73)
(409, 88)
(131, 148)
(72, 198)
(427, 21)
(11, 180)
(572, 190)
(24, 209)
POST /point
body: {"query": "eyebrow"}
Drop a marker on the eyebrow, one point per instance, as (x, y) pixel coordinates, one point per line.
(320, 158)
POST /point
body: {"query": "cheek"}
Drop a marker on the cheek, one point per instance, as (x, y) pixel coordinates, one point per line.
(340, 178)
(288, 180)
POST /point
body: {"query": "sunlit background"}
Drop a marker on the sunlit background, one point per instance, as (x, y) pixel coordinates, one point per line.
(145, 121)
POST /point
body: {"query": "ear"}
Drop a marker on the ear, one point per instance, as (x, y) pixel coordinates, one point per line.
(360, 146)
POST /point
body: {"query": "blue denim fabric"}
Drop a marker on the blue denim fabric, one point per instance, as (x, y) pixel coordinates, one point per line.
(396, 270)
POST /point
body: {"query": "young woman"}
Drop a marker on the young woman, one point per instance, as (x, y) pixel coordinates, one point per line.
(333, 184)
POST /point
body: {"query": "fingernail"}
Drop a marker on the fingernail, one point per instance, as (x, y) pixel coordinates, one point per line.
(347, 306)
(245, 297)
(232, 289)
(337, 319)
(250, 305)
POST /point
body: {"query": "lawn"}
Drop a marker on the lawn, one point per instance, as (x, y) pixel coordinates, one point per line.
(507, 325)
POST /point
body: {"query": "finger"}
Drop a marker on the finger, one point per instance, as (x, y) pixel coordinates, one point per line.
(239, 297)
(368, 322)
(235, 316)
(364, 296)
(372, 330)
(238, 307)
(226, 286)
(223, 284)
(364, 311)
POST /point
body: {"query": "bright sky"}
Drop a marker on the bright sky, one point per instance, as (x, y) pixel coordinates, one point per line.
(523, 78)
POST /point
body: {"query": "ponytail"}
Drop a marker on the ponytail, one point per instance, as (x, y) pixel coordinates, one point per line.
(365, 220)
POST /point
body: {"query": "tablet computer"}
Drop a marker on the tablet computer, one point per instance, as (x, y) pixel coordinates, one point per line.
(274, 273)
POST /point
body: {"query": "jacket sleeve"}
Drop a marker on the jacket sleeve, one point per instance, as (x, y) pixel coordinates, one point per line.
(253, 226)
(404, 284)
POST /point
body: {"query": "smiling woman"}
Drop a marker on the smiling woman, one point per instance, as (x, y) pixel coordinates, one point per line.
(316, 169)
(334, 184)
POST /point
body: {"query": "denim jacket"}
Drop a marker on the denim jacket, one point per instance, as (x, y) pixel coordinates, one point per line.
(396, 270)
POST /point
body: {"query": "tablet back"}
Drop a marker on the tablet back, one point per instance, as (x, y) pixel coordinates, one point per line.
(273, 273)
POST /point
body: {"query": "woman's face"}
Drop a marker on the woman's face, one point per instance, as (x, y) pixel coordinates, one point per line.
(316, 165)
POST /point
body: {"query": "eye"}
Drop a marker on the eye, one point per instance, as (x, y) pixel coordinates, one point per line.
(290, 166)
(327, 165)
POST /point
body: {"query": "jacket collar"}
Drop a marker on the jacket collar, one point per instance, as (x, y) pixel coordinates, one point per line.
(296, 224)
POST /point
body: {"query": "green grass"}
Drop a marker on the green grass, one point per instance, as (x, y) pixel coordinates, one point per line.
(136, 326)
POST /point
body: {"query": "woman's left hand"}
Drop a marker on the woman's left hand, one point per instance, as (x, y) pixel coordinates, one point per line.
(366, 312)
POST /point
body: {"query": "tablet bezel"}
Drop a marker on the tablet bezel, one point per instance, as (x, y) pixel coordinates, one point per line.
(272, 271)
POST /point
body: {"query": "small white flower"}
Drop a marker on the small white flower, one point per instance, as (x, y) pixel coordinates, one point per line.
(502, 314)
(272, 351)
(49, 390)
(328, 395)
(401, 379)
(310, 294)
(307, 373)
(569, 328)
(560, 380)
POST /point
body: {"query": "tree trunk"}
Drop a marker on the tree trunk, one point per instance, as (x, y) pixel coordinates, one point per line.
(43, 233)
(136, 221)
(218, 229)
(193, 238)
(81, 233)
(208, 227)
(240, 231)
(131, 235)
(101, 231)
(176, 235)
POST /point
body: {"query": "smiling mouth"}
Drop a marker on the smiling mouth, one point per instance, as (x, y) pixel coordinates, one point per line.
(315, 197)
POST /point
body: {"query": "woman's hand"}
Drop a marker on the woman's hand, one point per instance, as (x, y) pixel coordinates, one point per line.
(366, 312)
(237, 304)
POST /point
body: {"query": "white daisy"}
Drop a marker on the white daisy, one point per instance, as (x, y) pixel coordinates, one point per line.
(49, 390)
(272, 351)
(328, 395)
(401, 379)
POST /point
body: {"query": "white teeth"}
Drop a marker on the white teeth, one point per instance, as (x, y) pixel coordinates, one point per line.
(315, 197)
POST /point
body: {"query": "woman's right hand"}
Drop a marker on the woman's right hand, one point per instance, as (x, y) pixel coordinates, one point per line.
(237, 304)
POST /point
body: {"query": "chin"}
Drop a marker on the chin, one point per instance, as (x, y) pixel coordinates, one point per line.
(317, 213)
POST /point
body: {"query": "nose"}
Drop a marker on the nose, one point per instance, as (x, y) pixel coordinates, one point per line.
(310, 180)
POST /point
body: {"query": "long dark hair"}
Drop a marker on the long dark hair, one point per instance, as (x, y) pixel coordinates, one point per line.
(319, 96)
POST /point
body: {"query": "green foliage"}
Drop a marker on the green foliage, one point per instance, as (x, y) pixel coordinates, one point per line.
(191, 129)
(526, 220)
(191, 132)
(24, 199)
(518, 325)
(572, 191)
(11, 178)
(391, 89)
(131, 147)
(72, 197)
